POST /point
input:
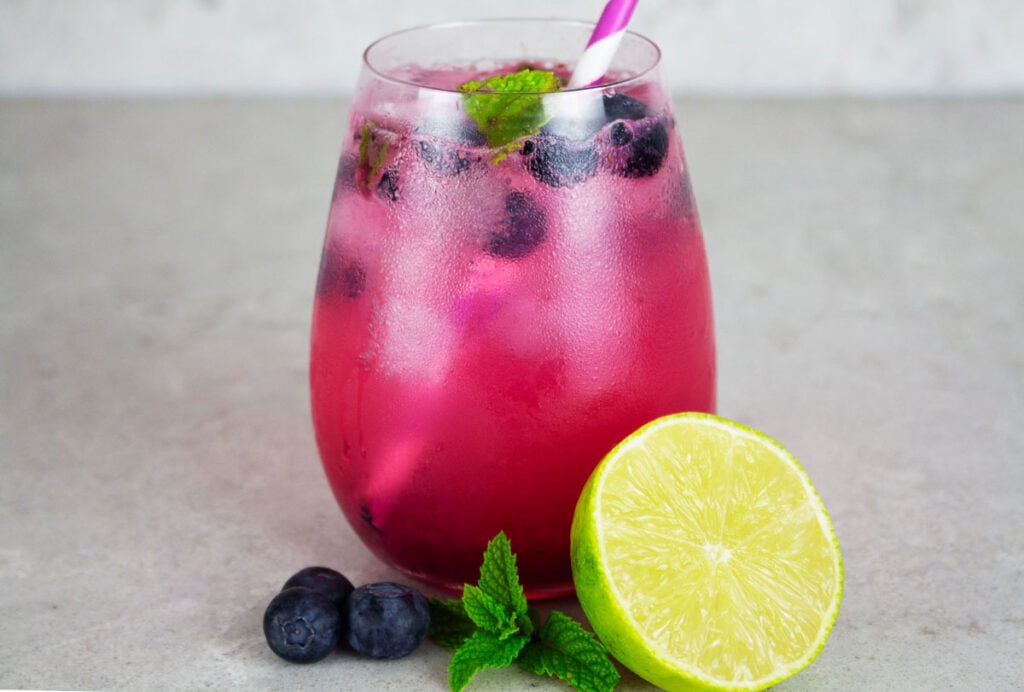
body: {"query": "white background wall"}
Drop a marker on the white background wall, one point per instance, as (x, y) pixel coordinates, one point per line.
(313, 46)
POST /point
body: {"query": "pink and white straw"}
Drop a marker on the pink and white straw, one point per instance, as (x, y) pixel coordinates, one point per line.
(603, 43)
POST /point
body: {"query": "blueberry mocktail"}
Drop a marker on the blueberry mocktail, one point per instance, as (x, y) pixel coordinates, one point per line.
(491, 318)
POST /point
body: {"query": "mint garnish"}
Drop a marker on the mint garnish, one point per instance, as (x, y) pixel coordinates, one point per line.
(507, 107)
(482, 650)
(450, 626)
(373, 154)
(564, 649)
(492, 626)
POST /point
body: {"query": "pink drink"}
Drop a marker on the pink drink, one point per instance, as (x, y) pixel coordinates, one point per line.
(485, 332)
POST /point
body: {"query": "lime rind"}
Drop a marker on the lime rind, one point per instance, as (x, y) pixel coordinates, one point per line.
(603, 600)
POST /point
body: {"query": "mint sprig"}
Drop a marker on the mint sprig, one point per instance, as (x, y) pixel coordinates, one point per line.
(492, 626)
(482, 650)
(450, 626)
(565, 650)
(508, 107)
(374, 149)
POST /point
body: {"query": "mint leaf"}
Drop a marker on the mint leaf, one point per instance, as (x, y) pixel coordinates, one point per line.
(450, 626)
(565, 650)
(487, 613)
(480, 651)
(493, 625)
(374, 145)
(499, 576)
(507, 107)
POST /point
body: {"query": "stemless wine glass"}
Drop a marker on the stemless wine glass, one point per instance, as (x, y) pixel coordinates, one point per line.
(501, 300)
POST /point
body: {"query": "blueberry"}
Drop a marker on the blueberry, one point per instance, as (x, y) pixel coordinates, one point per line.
(622, 107)
(366, 514)
(339, 276)
(638, 149)
(621, 134)
(442, 158)
(327, 581)
(386, 620)
(387, 187)
(353, 279)
(301, 625)
(521, 230)
(558, 161)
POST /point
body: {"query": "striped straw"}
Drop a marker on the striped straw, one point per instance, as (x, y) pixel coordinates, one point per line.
(603, 43)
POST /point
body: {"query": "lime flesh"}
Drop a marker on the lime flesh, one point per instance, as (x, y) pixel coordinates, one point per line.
(704, 558)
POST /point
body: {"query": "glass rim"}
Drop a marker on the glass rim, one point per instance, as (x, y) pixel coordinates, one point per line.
(383, 75)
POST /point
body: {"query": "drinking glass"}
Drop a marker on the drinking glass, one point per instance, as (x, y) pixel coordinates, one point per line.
(500, 301)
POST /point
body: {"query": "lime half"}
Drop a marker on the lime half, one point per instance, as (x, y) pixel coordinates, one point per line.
(704, 558)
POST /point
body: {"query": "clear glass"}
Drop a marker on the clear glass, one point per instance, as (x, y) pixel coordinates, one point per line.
(490, 320)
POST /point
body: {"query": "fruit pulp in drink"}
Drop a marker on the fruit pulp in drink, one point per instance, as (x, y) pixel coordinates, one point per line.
(487, 327)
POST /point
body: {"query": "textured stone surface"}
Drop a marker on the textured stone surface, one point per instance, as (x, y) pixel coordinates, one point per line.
(159, 475)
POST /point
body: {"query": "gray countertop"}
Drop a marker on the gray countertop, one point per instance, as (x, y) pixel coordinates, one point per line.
(158, 473)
